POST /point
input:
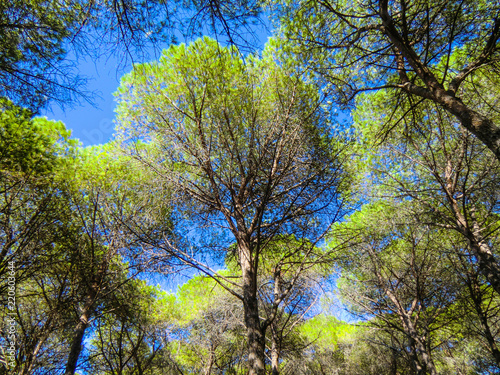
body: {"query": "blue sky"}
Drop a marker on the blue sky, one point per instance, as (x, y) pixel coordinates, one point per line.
(93, 123)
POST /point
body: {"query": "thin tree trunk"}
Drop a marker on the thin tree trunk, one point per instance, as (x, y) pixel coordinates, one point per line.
(31, 358)
(30, 362)
(477, 299)
(488, 265)
(275, 345)
(394, 358)
(487, 262)
(208, 369)
(275, 355)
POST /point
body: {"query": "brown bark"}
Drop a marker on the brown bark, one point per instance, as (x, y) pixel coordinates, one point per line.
(255, 331)
(422, 359)
(487, 263)
(275, 349)
(255, 338)
(76, 343)
(482, 127)
(477, 299)
(275, 355)
(79, 331)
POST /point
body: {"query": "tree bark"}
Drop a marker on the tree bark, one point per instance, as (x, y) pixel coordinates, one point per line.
(422, 358)
(275, 345)
(477, 299)
(482, 127)
(275, 355)
(487, 263)
(255, 334)
(76, 344)
(78, 334)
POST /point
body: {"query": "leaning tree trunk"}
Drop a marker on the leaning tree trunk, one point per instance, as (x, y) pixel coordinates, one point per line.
(76, 344)
(482, 127)
(488, 265)
(79, 332)
(477, 299)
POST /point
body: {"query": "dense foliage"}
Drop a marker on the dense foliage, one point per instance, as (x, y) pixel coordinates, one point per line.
(328, 205)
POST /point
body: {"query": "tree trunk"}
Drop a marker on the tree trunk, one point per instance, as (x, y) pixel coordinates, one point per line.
(477, 298)
(394, 358)
(487, 262)
(208, 369)
(488, 265)
(78, 333)
(415, 360)
(421, 354)
(255, 338)
(255, 334)
(76, 344)
(275, 355)
(275, 345)
(30, 361)
(428, 362)
(482, 127)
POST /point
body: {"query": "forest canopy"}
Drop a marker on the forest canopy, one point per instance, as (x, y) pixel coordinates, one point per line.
(326, 205)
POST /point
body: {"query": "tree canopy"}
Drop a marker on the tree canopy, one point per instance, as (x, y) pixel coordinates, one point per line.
(246, 143)
(327, 205)
(445, 52)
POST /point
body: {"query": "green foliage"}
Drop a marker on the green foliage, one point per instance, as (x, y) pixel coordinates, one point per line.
(215, 125)
(243, 149)
(31, 146)
(41, 39)
(346, 44)
(206, 322)
(33, 40)
(327, 332)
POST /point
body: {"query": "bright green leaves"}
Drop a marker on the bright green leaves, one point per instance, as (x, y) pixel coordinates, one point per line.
(215, 124)
(196, 297)
(326, 332)
(29, 145)
(205, 321)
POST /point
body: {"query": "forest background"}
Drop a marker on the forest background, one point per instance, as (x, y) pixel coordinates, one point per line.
(352, 162)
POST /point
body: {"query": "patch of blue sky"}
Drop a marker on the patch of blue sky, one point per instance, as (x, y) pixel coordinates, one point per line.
(92, 120)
